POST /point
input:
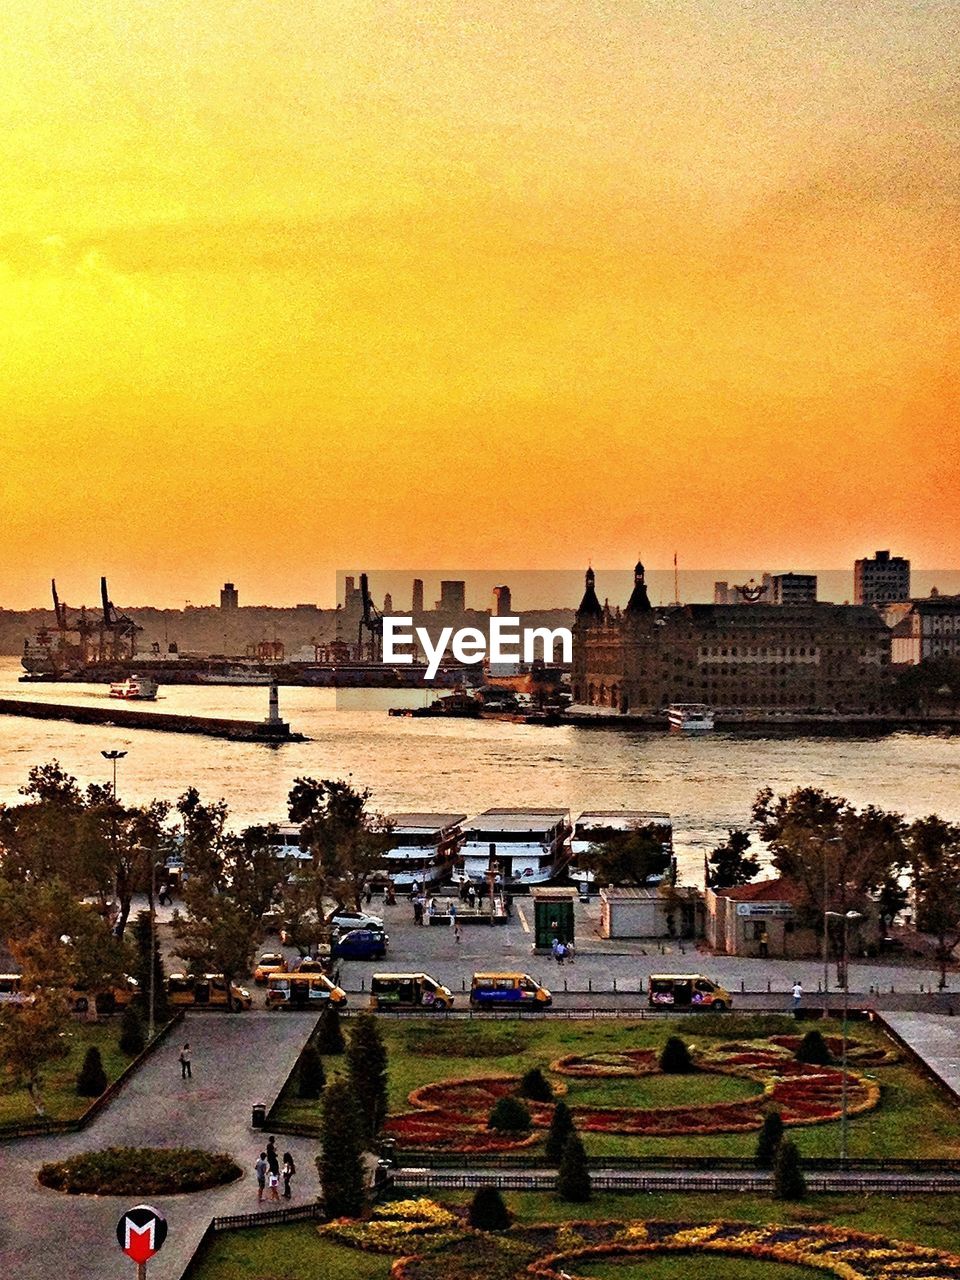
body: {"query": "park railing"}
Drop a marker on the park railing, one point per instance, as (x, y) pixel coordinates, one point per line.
(420, 1160)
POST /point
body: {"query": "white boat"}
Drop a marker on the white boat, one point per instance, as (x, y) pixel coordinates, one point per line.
(598, 825)
(523, 846)
(690, 717)
(423, 848)
(135, 689)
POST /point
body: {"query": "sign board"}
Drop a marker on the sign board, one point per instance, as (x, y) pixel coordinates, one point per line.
(141, 1232)
(777, 910)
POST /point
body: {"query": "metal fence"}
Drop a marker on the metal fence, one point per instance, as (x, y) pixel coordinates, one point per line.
(312, 1212)
(493, 1161)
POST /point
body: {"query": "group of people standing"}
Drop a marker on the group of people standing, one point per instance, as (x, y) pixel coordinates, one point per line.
(269, 1171)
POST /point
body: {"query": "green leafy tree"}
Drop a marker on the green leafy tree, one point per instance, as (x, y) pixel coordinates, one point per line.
(675, 1059)
(629, 857)
(32, 1035)
(509, 1115)
(573, 1176)
(341, 1163)
(934, 848)
(730, 863)
(487, 1211)
(367, 1073)
(788, 1180)
(310, 1075)
(561, 1127)
(769, 1139)
(132, 1036)
(91, 1079)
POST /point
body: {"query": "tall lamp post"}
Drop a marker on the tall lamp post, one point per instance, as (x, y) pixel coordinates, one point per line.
(826, 931)
(847, 917)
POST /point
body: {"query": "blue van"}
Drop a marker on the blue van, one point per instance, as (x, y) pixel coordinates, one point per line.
(359, 944)
(491, 989)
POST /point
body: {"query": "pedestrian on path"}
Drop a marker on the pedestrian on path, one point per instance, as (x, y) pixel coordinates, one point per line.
(260, 1168)
(453, 916)
(273, 1163)
(797, 995)
(289, 1169)
(186, 1071)
(457, 931)
(559, 951)
(273, 1182)
(418, 910)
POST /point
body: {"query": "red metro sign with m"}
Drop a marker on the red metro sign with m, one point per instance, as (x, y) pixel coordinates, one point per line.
(140, 1232)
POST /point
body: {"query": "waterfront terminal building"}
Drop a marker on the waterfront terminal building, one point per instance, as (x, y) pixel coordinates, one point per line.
(792, 658)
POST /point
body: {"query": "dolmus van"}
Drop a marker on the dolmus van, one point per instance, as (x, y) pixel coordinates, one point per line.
(408, 991)
(687, 991)
(492, 990)
(208, 992)
(303, 991)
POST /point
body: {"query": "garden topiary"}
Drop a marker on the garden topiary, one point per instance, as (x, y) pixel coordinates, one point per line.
(132, 1038)
(536, 1086)
(92, 1079)
(573, 1176)
(311, 1076)
(328, 1037)
(788, 1180)
(488, 1212)
(125, 1171)
(813, 1049)
(340, 1164)
(675, 1059)
(769, 1140)
(561, 1127)
(509, 1115)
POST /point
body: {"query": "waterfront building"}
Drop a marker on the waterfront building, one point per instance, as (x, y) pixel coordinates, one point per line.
(229, 596)
(794, 588)
(929, 628)
(767, 918)
(802, 658)
(645, 911)
(502, 602)
(453, 596)
(883, 580)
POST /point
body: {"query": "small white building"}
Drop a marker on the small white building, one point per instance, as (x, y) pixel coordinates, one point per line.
(648, 912)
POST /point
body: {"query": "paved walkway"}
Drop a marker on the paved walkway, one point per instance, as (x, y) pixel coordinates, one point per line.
(936, 1039)
(237, 1060)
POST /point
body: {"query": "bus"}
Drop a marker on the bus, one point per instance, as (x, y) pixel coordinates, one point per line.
(491, 990)
(687, 991)
(408, 991)
(303, 991)
(208, 991)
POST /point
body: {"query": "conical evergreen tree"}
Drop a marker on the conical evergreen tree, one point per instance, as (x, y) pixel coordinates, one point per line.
(132, 1038)
(487, 1211)
(341, 1164)
(92, 1079)
(142, 971)
(813, 1049)
(675, 1058)
(328, 1037)
(561, 1127)
(769, 1139)
(311, 1076)
(367, 1073)
(788, 1180)
(573, 1176)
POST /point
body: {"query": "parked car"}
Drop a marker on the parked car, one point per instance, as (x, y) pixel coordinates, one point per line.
(359, 944)
(356, 920)
(269, 962)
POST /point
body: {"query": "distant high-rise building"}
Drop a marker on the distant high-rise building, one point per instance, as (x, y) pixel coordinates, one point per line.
(388, 603)
(349, 589)
(453, 596)
(794, 588)
(417, 605)
(502, 602)
(883, 580)
(229, 597)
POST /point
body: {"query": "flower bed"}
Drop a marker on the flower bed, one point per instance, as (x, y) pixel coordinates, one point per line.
(132, 1171)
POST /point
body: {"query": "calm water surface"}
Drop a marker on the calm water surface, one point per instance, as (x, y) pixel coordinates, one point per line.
(707, 783)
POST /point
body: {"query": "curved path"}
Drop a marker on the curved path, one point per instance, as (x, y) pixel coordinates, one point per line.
(238, 1060)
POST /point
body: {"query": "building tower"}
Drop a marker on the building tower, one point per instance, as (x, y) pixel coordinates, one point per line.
(639, 602)
(229, 596)
(883, 580)
(502, 602)
(590, 609)
(417, 605)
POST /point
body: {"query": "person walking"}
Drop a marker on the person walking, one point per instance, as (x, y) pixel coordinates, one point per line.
(457, 931)
(260, 1168)
(453, 916)
(186, 1071)
(558, 950)
(418, 910)
(289, 1169)
(471, 895)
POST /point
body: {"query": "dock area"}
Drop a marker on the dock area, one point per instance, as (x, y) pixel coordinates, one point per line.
(271, 732)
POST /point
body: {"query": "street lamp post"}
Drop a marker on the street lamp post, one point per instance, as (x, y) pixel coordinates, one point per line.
(847, 917)
(826, 931)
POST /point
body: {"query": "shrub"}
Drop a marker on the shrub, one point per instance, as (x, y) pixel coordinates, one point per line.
(536, 1086)
(561, 1127)
(127, 1171)
(509, 1115)
(813, 1049)
(573, 1176)
(92, 1079)
(328, 1038)
(769, 1139)
(788, 1180)
(367, 1068)
(487, 1211)
(340, 1165)
(311, 1076)
(132, 1038)
(675, 1059)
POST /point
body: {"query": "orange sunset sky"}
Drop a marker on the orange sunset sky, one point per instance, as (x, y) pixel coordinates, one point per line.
(291, 285)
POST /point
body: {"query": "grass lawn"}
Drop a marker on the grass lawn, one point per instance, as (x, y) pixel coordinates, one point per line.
(296, 1252)
(60, 1078)
(913, 1117)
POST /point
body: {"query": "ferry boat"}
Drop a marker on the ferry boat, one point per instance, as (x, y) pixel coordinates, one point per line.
(528, 846)
(600, 824)
(135, 689)
(690, 717)
(236, 676)
(422, 849)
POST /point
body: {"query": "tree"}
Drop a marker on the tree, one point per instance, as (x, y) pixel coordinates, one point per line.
(788, 1180)
(345, 841)
(561, 1127)
(934, 848)
(487, 1211)
(142, 940)
(367, 1073)
(769, 1139)
(675, 1059)
(509, 1115)
(535, 1086)
(328, 1036)
(92, 1079)
(132, 1037)
(573, 1176)
(813, 1049)
(310, 1076)
(629, 857)
(341, 1163)
(730, 864)
(32, 1035)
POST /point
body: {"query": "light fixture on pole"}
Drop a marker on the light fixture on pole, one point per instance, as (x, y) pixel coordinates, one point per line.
(847, 917)
(826, 931)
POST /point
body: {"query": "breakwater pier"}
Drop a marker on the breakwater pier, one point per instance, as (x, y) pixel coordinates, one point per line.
(271, 732)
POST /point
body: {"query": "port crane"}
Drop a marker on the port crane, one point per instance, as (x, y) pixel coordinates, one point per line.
(371, 620)
(117, 632)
